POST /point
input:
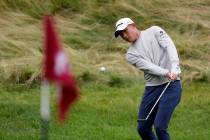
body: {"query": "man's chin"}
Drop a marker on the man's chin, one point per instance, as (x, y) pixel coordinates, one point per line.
(131, 40)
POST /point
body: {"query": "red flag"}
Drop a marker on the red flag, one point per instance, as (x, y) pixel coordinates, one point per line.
(56, 68)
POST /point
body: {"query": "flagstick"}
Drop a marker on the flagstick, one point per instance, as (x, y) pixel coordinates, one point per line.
(44, 109)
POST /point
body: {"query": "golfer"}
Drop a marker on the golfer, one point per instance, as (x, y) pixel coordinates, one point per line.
(153, 52)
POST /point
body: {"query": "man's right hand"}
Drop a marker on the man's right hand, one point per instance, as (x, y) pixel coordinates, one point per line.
(171, 76)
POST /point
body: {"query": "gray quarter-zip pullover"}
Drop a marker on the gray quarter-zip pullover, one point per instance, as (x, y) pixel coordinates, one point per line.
(154, 53)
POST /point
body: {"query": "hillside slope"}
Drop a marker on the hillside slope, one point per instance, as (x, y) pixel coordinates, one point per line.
(87, 27)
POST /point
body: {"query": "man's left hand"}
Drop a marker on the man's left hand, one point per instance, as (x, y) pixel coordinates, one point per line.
(172, 76)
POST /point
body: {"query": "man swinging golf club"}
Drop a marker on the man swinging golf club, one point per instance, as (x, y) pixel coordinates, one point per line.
(153, 52)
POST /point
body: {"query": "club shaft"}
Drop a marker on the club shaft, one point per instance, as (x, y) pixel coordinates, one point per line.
(156, 102)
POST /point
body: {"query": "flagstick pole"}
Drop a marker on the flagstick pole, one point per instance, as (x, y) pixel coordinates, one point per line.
(44, 109)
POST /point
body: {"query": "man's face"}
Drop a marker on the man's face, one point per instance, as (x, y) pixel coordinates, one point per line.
(130, 33)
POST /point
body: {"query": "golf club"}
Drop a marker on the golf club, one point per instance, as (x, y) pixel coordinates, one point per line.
(155, 103)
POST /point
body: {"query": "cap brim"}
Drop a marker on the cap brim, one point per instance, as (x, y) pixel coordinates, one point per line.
(117, 33)
(120, 29)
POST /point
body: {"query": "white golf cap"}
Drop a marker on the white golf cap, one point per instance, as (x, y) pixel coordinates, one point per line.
(121, 24)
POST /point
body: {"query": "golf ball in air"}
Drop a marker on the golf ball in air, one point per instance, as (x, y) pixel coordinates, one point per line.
(102, 69)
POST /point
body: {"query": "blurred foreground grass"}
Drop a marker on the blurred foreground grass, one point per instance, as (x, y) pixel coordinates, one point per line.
(102, 113)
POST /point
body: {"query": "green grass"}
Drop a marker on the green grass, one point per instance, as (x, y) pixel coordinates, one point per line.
(102, 113)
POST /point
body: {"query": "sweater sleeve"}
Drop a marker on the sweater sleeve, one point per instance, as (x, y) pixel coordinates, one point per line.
(145, 65)
(166, 42)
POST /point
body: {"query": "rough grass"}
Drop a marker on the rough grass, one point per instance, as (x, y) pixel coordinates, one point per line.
(86, 28)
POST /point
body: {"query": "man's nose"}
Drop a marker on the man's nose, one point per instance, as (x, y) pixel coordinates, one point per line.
(124, 35)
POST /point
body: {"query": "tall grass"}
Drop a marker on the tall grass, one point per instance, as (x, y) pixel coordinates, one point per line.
(87, 27)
